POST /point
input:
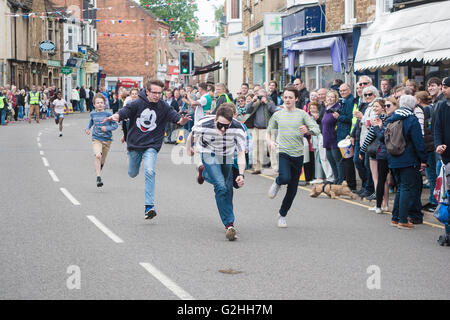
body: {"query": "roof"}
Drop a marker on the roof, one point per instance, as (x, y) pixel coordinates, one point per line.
(201, 54)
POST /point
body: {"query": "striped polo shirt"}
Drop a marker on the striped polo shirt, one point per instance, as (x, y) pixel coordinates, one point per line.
(286, 126)
(209, 140)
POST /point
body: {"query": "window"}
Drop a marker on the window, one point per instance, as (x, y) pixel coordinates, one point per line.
(383, 6)
(50, 30)
(327, 76)
(235, 9)
(70, 38)
(349, 11)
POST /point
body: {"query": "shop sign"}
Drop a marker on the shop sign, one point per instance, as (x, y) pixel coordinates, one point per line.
(54, 63)
(272, 23)
(47, 46)
(66, 70)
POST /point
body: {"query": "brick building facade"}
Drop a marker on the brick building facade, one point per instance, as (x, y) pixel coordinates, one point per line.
(131, 42)
(253, 26)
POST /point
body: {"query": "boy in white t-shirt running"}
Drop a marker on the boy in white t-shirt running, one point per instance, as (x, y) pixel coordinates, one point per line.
(58, 109)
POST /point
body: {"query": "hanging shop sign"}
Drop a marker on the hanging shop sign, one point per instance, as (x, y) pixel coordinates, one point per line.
(66, 70)
(47, 46)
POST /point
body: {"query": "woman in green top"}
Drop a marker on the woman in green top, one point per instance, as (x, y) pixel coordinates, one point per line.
(290, 124)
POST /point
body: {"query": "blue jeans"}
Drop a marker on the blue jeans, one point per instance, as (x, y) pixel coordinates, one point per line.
(20, 115)
(220, 175)
(134, 163)
(81, 105)
(334, 158)
(406, 179)
(289, 171)
(2, 115)
(431, 175)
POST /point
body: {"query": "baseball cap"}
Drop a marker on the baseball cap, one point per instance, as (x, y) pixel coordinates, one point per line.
(446, 82)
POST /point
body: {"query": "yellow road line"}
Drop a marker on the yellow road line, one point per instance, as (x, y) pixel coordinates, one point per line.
(352, 202)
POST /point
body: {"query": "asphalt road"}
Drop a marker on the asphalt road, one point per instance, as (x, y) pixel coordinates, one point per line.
(93, 243)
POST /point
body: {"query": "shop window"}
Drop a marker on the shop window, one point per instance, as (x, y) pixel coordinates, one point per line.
(311, 78)
(327, 76)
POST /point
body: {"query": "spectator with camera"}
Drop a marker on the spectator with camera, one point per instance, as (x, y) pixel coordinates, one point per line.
(260, 110)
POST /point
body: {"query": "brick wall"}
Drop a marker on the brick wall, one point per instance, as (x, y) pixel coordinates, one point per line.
(258, 16)
(335, 15)
(335, 12)
(365, 10)
(134, 55)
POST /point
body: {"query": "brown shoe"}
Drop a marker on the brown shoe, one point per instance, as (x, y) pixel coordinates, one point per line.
(256, 172)
(405, 226)
(200, 179)
(394, 223)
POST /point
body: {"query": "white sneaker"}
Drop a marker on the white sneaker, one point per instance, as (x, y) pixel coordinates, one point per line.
(373, 208)
(274, 188)
(316, 181)
(282, 222)
(378, 211)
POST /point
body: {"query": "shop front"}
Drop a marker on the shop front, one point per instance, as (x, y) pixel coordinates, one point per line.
(391, 47)
(296, 26)
(257, 51)
(322, 59)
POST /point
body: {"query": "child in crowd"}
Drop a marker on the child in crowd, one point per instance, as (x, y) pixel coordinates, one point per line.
(101, 134)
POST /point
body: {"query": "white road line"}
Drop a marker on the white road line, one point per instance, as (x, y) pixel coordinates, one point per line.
(69, 196)
(41, 153)
(53, 175)
(39, 145)
(38, 139)
(167, 282)
(40, 133)
(45, 161)
(105, 230)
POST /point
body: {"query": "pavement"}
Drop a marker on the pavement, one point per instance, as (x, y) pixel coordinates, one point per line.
(428, 217)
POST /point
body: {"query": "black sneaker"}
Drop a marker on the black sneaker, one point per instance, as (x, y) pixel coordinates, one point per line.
(99, 182)
(150, 213)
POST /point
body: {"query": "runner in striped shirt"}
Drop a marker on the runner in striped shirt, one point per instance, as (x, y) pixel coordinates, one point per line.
(290, 125)
(216, 138)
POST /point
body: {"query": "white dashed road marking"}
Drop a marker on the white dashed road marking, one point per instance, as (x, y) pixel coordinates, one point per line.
(69, 196)
(167, 282)
(105, 230)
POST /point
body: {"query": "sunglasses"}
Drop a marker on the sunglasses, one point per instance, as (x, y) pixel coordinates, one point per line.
(388, 105)
(368, 94)
(221, 126)
(363, 84)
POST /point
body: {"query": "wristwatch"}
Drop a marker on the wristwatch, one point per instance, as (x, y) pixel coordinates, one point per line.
(241, 175)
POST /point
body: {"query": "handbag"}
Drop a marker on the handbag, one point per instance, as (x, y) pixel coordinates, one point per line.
(372, 149)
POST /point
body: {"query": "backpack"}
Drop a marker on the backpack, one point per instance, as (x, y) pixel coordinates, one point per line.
(394, 139)
(443, 209)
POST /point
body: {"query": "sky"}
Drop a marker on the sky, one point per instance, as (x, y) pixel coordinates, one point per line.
(206, 16)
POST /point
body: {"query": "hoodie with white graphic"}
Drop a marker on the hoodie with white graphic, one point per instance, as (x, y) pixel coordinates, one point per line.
(147, 122)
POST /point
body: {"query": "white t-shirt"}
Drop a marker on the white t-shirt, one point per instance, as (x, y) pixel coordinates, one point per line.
(59, 105)
(199, 109)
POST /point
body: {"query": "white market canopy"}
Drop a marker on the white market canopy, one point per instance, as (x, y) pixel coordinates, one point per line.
(421, 33)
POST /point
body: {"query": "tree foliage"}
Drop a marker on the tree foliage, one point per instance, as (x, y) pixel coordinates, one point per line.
(179, 14)
(219, 14)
